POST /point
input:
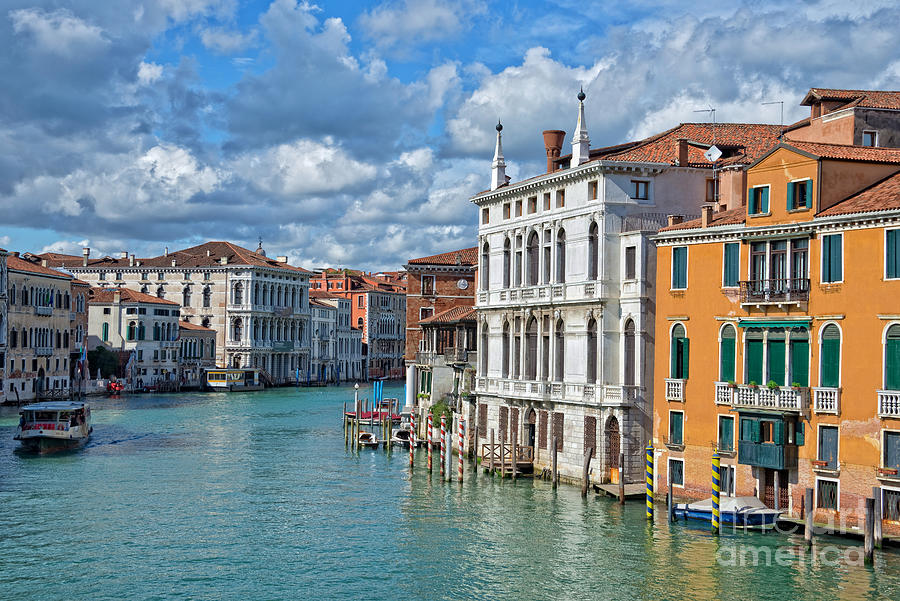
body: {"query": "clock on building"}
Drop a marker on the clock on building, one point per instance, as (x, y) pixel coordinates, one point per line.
(462, 284)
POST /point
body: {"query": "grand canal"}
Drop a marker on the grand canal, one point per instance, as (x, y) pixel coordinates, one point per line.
(253, 496)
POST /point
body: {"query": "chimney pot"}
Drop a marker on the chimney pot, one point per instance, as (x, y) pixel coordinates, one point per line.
(44, 263)
(85, 254)
(553, 142)
(682, 151)
(706, 213)
(675, 219)
(131, 260)
(281, 259)
(123, 254)
(166, 254)
(173, 262)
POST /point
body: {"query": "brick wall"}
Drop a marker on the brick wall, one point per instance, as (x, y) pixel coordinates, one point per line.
(447, 295)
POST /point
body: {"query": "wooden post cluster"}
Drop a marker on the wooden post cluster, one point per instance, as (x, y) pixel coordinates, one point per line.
(585, 471)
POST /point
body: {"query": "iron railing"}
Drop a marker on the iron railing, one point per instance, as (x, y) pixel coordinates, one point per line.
(780, 290)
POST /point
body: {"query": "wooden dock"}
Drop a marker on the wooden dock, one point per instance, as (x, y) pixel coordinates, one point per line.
(499, 457)
(632, 491)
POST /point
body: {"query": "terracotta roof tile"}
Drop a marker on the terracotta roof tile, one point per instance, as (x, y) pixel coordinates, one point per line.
(106, 295)
(452, 315)
(186, 325)
(844, 152)
(466, 256)
(879, 99)
(881, 196)
(20, 264)
(729, 217)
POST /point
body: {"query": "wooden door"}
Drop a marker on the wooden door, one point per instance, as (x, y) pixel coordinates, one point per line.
(769, 488)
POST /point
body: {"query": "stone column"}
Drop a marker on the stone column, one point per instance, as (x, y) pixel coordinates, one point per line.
(410, 386)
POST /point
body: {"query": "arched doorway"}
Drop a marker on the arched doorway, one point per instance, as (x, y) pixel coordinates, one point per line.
(613, 448)
(530, 427)
(236, 362)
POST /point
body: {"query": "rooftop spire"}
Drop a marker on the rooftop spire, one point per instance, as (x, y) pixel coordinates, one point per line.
(498, 166)
(581, 143)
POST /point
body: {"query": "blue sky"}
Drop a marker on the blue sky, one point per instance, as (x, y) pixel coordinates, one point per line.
(353, 133)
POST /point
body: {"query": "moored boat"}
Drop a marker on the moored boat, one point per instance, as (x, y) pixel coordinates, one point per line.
(402, 437)
(368, 439)
(54, 426)
(733, 511)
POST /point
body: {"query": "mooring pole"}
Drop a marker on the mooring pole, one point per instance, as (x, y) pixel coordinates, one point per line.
(412, 439)
(869, 542)
(443, 442)
(716, 464)
(515, 453)
(808, 506)
(462, 428)
(876, 494)
(621, 478)
(428, 433)
(671, 502)
(554, 474)
(649, 478)
(344, 419)
(502, 453)
(585, 471)
(491, 456)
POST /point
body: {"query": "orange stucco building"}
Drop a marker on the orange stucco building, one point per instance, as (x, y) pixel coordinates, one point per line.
(778, 336)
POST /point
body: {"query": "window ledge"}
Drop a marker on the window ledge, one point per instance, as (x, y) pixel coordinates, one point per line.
(674, 447)
(751, 215)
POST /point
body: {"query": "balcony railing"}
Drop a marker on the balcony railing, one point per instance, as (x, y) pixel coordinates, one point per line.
(424, 357)
(889, 403)
(456, 355)
(43, 351)
(540, 390)
(765, 454)
(724, 393)
(827, 400)
(773, 292)
(675, 389)
(43, 311)
(780, 398)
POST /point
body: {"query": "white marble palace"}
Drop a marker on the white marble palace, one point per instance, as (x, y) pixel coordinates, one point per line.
(566, 287)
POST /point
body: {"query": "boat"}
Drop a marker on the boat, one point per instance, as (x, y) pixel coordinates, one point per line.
(367, 439)
(733, 511)
(234, 379)
(401, 437)
(54, 426)
(114, 387)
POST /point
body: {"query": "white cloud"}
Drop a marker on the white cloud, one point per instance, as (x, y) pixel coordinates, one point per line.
(149, 72)
(58, 32)
(409, 22)
(227, 42)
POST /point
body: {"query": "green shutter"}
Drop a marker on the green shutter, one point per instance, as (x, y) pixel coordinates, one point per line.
(679, 267)
(726, 360)
(764, 201)
(755, 361)
(673, 358)
(831, 361)
(726, 433)
(755, 435)
(778, 432)
(800, 434)
(892, 253)
(776, 361)
(685, 358)
(808, 193)
(790, 195)
(732, 261)
(892, 360)
(754, 201)
(800, 362)
(831, 260)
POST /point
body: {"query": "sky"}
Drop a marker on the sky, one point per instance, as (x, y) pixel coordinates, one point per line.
(353, 134)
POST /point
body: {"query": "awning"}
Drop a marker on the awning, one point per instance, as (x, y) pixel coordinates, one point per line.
(775, 323)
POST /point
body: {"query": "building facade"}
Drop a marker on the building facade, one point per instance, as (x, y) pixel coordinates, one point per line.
(259, 307)
(197, 353)
(778, 336)
(143, 329)
(39, 320)
(347, 340)
(323, 349)
(567, 283)
(4, 322)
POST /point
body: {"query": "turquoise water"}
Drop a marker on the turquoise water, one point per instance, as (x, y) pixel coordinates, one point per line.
(253, 496)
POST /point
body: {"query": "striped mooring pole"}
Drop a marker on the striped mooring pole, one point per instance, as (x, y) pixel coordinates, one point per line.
(716, 463)
(412, 438)
(429, 434)
(649, 473)
(443, 443)
(461, 434)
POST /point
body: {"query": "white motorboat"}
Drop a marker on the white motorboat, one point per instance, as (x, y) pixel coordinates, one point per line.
(368, 439)
(54, 426)
(401, 437)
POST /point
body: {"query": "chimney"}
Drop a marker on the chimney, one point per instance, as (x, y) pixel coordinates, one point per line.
(223, 260)
(45, 263)
(85, 254)
(675, 220)
(553, 141)
(131, 260)
(706, 213)
(281, 259)
(123, 254)
(117, 296)
(682, 151)
(166, 254)
(498, 165)
(173, 262)
(208, 253)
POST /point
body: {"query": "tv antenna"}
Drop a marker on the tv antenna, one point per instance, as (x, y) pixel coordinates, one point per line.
(781, 102)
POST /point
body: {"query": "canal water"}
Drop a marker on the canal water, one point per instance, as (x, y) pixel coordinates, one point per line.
(253, 496)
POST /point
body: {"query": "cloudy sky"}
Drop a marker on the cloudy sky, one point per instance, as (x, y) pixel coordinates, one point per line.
(353, 133)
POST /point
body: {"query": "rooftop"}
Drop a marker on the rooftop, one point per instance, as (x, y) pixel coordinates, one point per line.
(845, 152)
(14, 263)
(101, 296)
(730, 217)
(466, 256)
(880, 99)
(452, 315)
(880, 196)
(186, 325)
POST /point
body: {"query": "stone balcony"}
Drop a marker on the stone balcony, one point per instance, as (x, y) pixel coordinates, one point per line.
(827, 400)
(781, 398)
(593, 394)
(889, 403)
(675, 389)
(45, 311)
(541, 294)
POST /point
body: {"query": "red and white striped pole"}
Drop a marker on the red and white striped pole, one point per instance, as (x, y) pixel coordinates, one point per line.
(412, 438)
(429, 441)
(461, 433)
(443, 443)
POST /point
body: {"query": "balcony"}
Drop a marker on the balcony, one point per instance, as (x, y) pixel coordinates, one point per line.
(425, 357)
(541, 294)
(785, 291)
(724, 393)
(675, 389)
(767, 454)
(889, 403)
(46, 311)
(458, 355)
(43, 351)
(827, 400)
(591, 394)
(783, 398)
(620, 395)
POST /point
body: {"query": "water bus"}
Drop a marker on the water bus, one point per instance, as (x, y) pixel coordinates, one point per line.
(234, 379)
(54, 426)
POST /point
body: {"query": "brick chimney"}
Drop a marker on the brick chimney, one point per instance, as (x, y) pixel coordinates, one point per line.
(682, 151)
(281, 259)
(553, 141)
(85, 255)
(706, 213)
(675, 220)
(131, 260)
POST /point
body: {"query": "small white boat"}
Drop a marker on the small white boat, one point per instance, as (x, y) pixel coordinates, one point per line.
(401, 437)
(733, 511)
(54, 426)
(368, 439)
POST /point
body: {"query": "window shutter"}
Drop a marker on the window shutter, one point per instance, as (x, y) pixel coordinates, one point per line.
(831, 264)
(751, 194)
(892, 450)
(754, 430)
(799, 435)
(764, 203)
(726, 360)
(790, 195)
(673, 366)
(808, 185)
(686, 358)
(892, 254)
(800, 362)
(831, 353)
(778, 432)
(732, 259)
(892, 358)
(776, 361)
(755, 361)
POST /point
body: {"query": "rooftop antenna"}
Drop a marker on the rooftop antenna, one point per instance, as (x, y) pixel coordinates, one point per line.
(714, 153)
(781, 125)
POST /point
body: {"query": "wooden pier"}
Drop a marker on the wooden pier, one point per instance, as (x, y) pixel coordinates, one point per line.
(632, 491)
(498, 458)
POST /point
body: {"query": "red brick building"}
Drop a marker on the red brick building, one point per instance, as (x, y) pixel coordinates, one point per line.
(434, 285)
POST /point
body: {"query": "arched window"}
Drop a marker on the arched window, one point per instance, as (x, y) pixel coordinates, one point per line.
(156, 330)
(559, 351)
(255, 293)
(592, 351)
(25, 338)
(799, 359)
(483, 349)
(592, 251)
(561, 256)
(237, 294)
(680, 350)
(517, 276)
(12, 295)
(532, 251)
(66, 339)
(504, 368)
(545, 270)
(727, 347)
(359, 323)
(132, 330)
(892, 358)
(237, 330)
(145, 289)
(186, 297)
(630, 353)
(830, 357)
(507, 256)
(141, 333)
(207, 297)
(531, 354)
(13, 338)
(517, 349)
(753, 356)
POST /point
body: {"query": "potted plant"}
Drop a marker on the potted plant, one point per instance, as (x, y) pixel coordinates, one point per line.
(752, 384)
(732, 384)
(796, 385)
(771, 385)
